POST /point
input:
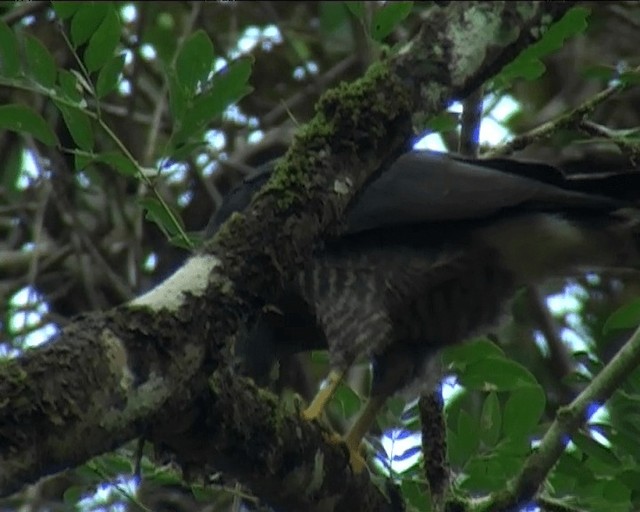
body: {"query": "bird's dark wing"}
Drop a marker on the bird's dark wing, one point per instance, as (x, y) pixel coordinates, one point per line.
(428, 186)
(425, 186)
(239, 198)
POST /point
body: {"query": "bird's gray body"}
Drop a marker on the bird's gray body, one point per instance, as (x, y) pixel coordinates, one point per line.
(435, 246)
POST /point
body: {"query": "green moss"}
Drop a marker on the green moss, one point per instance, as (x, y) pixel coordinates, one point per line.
(290, 175)
(17, 374)
(228, 231)
(351, 117)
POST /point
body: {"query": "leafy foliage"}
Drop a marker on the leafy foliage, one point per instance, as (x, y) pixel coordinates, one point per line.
(130, 118)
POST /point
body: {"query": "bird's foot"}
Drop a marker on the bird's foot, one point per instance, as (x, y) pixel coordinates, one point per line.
(323, 396)
(357, 461)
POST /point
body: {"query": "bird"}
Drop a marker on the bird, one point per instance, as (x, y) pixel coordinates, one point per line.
(430, 253)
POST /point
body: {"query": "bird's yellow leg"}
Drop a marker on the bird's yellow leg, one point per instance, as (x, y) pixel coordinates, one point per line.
(323, 396)
(363, 423)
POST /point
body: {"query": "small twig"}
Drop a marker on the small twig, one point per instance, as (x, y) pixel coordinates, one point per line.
(571, 118)
(559, 360)
(628, 148)
(121, 111)
(38, 220)
(470, 123)
(14, 261)
(25, 9)
(81, 239)
(311, 90)
(568, 419)
(137, 470)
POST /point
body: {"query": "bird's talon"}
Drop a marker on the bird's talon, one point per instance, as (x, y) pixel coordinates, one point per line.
(357, 461)
(323, 397)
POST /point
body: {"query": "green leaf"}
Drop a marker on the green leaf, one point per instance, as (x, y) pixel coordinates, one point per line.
(120, 163)
(113, 159)
(194, 61)
(574, 22)
(356, 8)
(513, 447)
(445, 122)
(630, 478)
(523, 411)
(600, 72)
(630, 77)
(79, 125)
(348, 400)
(162, 37)
(320, 356)
(528, 64)
(82, 161)
(19, 118)
(615, 491)
(484, 474)
(625, 317)
(187, 242)
(415, 494)
(468, 436)
(157, 213)
(185, 150)
(69, 86)
(109, 76)
(87, 474)
(571, 468)
(12, 171)
(40, 64)
(115, 465)
(528, 68)
(387, 17)
(395, 406)
(496, 373)
(178, 97)
(65, 10)
(333, 15)
(303, 52)
(594, 449)
(87, 20)
(227, 87)
(490, 420)
(103, 42)
(73, 494)
(467, 353)
(455, 451)
(205, 494)
(9, 60)
(160, 475)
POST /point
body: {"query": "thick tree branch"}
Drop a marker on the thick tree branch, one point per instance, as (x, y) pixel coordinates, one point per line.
(144, 367)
